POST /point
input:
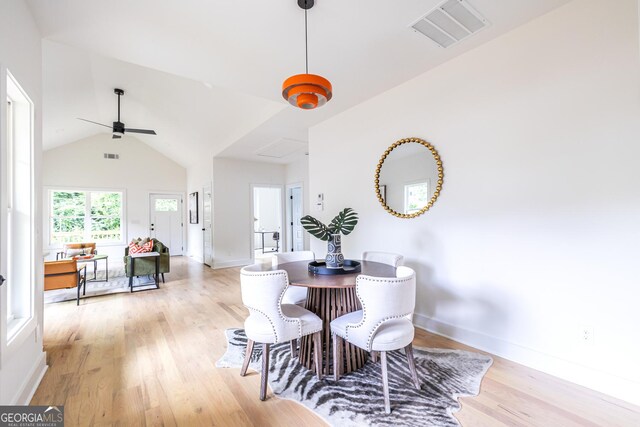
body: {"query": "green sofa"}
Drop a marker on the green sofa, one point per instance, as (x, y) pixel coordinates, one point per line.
(147, 266)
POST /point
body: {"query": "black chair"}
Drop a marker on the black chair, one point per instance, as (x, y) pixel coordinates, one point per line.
(276, 238)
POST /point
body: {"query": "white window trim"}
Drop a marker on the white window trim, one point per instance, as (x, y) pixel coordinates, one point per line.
(15, 331)
(47, 219)
(406, 196)
(11, 319)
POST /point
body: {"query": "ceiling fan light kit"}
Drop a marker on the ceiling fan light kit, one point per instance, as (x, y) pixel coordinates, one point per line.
(118, 130)
(306, 91)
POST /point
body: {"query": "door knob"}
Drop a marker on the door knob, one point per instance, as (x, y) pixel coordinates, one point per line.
(2, 279)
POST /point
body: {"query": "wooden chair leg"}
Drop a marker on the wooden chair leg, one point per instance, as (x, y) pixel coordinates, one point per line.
(317, 352)
(247, 358)
(374, 356)
(412, 365)
(385, 382)
(337, 357)
(293, 343)
(265, 371)
(162, 277)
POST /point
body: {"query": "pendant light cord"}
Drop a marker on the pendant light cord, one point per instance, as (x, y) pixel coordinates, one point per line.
(306, 44)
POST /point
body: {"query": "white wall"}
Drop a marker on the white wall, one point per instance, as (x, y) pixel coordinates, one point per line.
(140, 171)
(199, 176)
(232, 213)
(22, 367)
(527, 243)
(298, 173)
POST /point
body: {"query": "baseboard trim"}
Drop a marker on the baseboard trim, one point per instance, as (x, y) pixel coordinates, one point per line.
(29, 387)
(232, 263)
(602, 382)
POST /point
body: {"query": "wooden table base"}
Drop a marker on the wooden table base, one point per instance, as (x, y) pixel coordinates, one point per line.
(328, 304)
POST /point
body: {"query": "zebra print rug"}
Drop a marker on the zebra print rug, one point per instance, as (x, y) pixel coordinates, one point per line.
(357, 399)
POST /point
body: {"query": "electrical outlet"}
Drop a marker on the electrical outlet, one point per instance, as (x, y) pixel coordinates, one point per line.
(587, 334)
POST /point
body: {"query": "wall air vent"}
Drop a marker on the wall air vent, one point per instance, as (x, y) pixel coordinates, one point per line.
(450, 22)
(111, 156)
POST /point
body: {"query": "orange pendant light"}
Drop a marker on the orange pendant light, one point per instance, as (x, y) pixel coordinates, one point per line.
(306, 91)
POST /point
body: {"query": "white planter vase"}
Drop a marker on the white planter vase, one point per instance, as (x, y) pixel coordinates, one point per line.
(334, 258)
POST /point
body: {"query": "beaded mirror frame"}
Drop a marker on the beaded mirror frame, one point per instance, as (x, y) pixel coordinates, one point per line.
(436, 193)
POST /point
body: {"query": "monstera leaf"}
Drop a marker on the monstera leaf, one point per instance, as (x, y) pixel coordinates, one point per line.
(344, 222)
(315, 227)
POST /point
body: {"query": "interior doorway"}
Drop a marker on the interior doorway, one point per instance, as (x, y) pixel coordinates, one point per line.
(207, 230)
(165, 220)
(295, 241)
(267, 207)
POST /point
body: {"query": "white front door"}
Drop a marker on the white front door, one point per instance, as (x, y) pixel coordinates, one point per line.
(165, 220)
(207, 237)
(297, 236)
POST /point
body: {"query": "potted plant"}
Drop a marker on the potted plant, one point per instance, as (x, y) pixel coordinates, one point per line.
(343, 223)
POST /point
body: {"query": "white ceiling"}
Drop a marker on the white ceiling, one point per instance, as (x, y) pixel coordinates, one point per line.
(163, 52)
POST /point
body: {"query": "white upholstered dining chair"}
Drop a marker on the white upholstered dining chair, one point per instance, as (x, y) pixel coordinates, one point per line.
(382, 324)
(294, 294)
(388, 258)
(271, 322)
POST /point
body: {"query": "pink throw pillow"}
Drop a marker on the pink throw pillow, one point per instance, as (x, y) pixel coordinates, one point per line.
(136, 249)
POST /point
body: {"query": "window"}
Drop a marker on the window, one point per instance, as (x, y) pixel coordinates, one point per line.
(416, 197)
(10, 291)
(85, 216)
(17, 226)
(166, 205)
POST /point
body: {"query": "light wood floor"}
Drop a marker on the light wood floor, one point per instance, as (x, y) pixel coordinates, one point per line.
(149, 359)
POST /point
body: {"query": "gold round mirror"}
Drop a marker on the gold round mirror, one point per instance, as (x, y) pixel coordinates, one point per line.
(409, 178)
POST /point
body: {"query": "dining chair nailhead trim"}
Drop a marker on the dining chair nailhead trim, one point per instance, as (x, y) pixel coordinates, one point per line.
(298, 322)
(374, 330)
(273, 328)
(390, 281)
(282, 316)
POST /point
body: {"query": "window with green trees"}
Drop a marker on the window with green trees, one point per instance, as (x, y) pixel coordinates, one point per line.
(416, 196)
(85, 216)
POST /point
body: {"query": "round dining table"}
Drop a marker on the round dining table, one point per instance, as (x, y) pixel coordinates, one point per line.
(329, 296)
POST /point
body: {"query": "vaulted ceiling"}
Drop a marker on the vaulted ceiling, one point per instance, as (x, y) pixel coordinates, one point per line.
(206, 75)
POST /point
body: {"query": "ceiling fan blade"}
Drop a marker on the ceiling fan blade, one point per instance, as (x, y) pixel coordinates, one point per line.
(95, 123)
(116, 136)
(147, 131)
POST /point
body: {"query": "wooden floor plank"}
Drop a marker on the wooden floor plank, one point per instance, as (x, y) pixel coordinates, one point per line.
(148, 358)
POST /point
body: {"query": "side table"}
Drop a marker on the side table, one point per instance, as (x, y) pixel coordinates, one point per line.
(156, 255)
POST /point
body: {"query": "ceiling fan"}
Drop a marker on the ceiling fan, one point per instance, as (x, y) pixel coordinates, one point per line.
(118, 128)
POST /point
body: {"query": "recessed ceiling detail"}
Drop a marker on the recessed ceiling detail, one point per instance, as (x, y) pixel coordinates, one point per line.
(450, 22)
(282, 148)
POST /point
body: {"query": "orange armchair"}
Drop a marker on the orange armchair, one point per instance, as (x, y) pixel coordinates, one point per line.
(65, 274)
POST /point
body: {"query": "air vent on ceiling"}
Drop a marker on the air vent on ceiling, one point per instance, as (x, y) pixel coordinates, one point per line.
(111, 156)
(450, 22)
